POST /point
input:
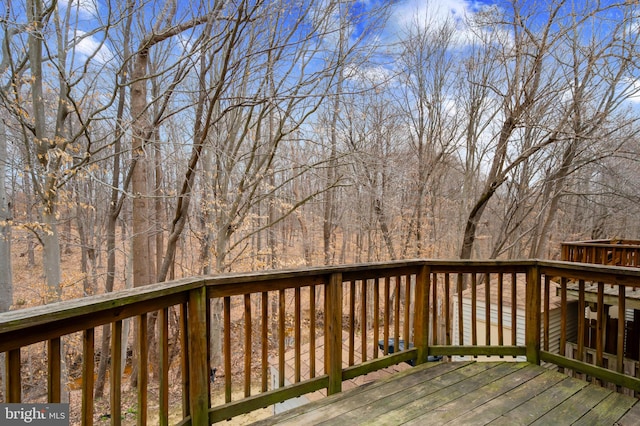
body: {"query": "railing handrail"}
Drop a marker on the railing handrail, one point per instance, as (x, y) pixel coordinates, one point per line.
(603, 243)
(53, 320)
(20, 319)
(22, 327)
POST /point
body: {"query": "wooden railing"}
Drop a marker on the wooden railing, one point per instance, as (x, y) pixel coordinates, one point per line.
(440, 308)
(603, 252)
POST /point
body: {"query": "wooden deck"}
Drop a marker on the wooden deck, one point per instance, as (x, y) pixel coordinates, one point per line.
(478, 393)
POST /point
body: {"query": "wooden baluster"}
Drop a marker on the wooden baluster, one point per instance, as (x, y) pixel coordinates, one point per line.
(621, 327)
(460, 311)
(14, 376)
(407, 311)
(386, 316)
(297, 333)
(265, 341)
(376, 316)
(208, 306)
(54, 374)
(312, 331)
(333, 332)
(581, 321)
(281, 336)
(600, 326)
(363, 319)
(115, 381)
(547, 290)
(500, 302)
(184, 360)
(563, 315)
(163, 338)
(487, 309)
(434, 309)
(396, 317)
(474, 303)
(88, 353)
(143, 368)
(227, 347)
(247, 344)
(514, 309)
(352, 321)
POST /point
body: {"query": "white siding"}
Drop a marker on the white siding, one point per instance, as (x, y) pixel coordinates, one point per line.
(554, 325)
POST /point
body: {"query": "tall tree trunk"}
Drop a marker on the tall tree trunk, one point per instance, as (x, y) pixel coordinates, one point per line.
(115, 205)
(6, 278)
(143, 258)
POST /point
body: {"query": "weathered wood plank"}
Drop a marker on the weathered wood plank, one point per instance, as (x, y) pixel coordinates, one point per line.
(575, 407)
(338, 404)
(608, 411)
(476, 398)
(415, 402)
(632, 417)
(377, 403)
(541, 403)
(493, 409)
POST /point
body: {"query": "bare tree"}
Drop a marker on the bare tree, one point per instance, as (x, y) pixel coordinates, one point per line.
(427, 71)
(524, 57)
(6, 279)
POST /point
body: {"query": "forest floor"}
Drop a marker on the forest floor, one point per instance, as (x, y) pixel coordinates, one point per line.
(30, 290)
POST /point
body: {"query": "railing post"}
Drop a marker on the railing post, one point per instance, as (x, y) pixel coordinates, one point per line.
(421, 326)
(532, 315)
(198, 363)
(333, 332)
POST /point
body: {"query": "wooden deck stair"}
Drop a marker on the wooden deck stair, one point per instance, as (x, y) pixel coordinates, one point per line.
(475, 393)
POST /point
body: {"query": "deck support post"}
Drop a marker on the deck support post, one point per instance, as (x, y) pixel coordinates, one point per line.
(532, 315)
(198, 362)
(333, 333)
(421, 325)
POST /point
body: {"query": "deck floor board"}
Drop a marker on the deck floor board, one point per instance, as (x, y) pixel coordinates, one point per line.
(476, 393)
(428, 390)
(477, 398)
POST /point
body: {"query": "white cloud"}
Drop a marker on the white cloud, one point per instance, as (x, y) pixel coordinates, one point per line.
(439, 11)
(84, 7)
(632, 91)
(368, 75)
(436, 13)
(89, 46)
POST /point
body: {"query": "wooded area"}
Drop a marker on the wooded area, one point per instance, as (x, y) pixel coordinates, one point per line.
(142, 141)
